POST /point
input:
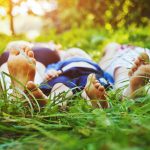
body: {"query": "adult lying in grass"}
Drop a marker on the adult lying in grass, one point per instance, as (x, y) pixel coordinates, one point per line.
(129, 66)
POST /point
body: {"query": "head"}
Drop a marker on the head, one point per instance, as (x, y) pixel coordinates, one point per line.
(18, 45)
(74, 52)
(15, 45)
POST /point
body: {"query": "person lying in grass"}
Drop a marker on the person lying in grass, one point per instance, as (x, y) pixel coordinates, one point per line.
(70, 76)
(92, 88)
(77, 81)
(44, 53)
(129, 66)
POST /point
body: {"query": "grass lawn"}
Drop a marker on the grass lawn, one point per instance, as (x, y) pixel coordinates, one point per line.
(125, 126)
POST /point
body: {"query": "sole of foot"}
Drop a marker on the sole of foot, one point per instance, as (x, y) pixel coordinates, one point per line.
(96, 92)
(36, 93)
(21, 65)
(139, 76)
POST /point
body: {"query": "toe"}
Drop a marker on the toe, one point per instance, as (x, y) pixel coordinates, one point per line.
(92, 77)
(137, 62)
(130, 73)
(144, 58)
(97, 85)
(33, 61)
(101, 88)
(96, 81)
(30, 85)
(134, 68)
(45, 77)
(30, 54)
(14, 52)
(48, 77)
(26, 49)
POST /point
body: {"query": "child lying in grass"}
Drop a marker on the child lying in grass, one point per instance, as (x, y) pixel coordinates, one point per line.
(75, 74)
(71, 75)
(44, 53)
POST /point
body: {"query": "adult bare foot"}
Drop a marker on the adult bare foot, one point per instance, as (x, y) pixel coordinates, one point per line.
(21, 66)
(36, 93)
(139, 76)
(52, 74)
(96, 92)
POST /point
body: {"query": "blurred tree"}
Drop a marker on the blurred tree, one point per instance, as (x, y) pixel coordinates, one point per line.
(108, 13)
(8, 5)
(11, 17)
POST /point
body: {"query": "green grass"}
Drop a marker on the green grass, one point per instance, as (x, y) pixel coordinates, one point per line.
(124, 126)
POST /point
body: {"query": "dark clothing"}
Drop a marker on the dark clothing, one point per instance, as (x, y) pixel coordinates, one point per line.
(42, 54)
(74, 74)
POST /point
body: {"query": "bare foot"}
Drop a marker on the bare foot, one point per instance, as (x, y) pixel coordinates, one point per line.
(21, 66)
(36, 93)
(139, 75)
(52, 74)
(96, 92)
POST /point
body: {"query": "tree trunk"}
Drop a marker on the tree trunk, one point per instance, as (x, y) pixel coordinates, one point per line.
(11, 17)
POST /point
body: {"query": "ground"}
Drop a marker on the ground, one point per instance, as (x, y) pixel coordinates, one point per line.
(123, 126)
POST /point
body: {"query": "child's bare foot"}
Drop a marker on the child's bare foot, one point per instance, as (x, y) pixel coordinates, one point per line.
(96, 92)
(139, 75)
(36, 93)
(21, 66)
(52, 74)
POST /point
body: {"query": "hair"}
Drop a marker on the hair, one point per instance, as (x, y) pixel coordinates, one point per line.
(42, 53)
(74, 52)
(18, 45)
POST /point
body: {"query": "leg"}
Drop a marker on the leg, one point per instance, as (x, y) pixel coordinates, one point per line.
(60, 88)
(121, 77)
(109, 51)
(138, 75)
(35, 92)
(42, 98)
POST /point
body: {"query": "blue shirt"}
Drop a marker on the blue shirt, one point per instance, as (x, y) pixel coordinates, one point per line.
(75, 72)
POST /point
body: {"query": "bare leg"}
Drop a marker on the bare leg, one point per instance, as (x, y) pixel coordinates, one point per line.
(138, 75)
(57, 90)
(37, 93)
(96, 92)
(60, 88)
(42, 98)
(121, 77)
